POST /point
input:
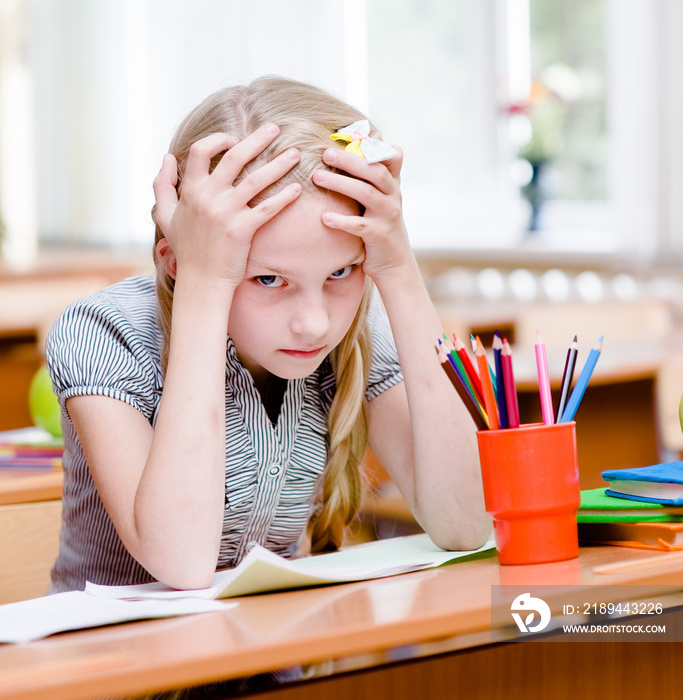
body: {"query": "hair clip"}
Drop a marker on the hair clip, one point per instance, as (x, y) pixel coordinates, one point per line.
(359, 142)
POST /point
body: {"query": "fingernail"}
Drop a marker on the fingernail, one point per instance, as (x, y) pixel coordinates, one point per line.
(293, 153)
(320, 175)
(272, 128)
(330, 155)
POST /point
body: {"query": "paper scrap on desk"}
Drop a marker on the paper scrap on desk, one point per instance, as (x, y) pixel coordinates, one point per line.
(262, 571)
(29, 436)
(33, 619)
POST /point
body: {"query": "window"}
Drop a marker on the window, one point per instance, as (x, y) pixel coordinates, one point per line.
(97, 88)
(481, 92)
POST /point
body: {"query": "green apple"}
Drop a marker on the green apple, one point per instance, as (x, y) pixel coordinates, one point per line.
(43, 404)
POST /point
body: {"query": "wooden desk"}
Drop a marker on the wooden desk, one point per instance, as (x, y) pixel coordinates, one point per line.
(29, 486)
(426, 634)
(30, 516)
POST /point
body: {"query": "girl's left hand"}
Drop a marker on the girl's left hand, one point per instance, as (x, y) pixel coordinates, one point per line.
(376, 186)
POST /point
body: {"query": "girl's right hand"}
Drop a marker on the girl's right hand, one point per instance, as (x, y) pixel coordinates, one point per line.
(211, 226)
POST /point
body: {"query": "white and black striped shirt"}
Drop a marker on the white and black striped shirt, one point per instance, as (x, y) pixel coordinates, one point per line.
(108, 344)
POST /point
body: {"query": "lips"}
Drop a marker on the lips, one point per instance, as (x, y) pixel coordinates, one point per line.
(303, 354)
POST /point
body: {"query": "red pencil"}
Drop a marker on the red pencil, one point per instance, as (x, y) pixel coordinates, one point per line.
(469, 368)
(510, 389)
(489, 396)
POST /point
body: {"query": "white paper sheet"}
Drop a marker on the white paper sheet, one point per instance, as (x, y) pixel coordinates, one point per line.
(39, 617)
(262, 571)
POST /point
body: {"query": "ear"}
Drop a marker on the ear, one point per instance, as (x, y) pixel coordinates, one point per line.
(166, 257)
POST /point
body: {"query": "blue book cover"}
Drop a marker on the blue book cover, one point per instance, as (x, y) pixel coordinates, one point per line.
(657, 483)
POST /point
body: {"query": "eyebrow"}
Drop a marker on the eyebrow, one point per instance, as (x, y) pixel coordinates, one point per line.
(274, 270)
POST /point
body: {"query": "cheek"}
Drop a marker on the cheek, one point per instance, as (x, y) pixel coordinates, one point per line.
(244, 322)
(347, 303)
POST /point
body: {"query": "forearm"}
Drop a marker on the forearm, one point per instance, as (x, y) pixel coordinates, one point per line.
(180, 498)
(444, 485)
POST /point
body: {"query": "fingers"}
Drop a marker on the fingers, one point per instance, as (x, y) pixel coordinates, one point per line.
(360, 191)
(201, 153)
(373, 185)
(238, 154)
(355, 225)
(383, 176)
(259, 179)
(165, 193)
(236, 158)
(267, 209)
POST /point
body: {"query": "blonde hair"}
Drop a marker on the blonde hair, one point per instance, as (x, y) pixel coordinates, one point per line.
(307, 116)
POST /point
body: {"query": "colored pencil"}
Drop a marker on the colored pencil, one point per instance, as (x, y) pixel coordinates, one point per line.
(567, 377)
(456, 361)
(489, 396)
(47, 463)
(461, 373)
(501, 399)
(510, 388)
(12, 451)
(465, 397)
(471, 370)
(544, 381)
(492, 375)
(582, 383)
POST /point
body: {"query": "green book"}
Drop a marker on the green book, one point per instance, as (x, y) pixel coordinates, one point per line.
(599, 507)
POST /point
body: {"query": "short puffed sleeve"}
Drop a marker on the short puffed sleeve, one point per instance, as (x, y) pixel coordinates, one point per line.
(385, 370)
(109, 344)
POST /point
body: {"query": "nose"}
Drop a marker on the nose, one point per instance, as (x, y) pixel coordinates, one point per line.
(310, 318)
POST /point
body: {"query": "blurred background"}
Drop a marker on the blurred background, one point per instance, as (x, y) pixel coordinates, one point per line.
(543, 164)
(499, 104)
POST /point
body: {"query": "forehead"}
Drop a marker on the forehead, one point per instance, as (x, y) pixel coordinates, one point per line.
(296, 236)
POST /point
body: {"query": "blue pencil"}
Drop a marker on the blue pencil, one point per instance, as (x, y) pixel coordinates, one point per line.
(582, 383)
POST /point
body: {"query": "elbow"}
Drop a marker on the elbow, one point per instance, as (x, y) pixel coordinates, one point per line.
(182, 569)
(468, 536)
(185, 576)
(188, 581)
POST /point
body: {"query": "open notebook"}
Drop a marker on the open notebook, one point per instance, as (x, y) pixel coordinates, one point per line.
(261, 570)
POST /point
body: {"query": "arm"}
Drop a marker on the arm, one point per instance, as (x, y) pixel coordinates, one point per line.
(420, 431)
(167, 499)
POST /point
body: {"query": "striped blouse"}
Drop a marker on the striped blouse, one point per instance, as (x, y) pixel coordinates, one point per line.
(108, 344)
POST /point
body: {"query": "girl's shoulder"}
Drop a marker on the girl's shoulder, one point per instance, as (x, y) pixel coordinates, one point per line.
(126, 311)
(108, 344)
(130, 298)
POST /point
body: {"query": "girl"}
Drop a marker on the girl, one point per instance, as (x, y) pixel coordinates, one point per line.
(184, 445)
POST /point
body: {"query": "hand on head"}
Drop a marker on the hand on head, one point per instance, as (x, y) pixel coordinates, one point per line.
(210, 227)
(376, 187)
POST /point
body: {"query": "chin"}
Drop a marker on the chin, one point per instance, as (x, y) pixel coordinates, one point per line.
(306, 369)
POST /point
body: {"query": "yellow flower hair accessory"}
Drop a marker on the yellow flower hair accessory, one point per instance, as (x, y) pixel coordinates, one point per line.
(359, 142)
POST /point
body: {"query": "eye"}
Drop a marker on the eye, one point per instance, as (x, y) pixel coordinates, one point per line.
(269, 280)
(344, 272)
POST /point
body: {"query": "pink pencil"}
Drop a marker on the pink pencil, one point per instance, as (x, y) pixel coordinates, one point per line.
(510, 389)
(544, 382)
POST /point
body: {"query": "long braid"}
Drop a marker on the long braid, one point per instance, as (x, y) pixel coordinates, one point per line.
(348, 435)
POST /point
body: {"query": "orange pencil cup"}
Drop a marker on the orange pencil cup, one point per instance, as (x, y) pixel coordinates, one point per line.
(531, 488)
